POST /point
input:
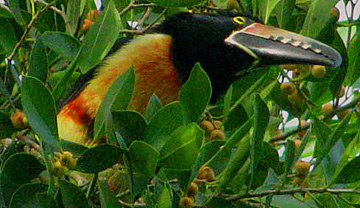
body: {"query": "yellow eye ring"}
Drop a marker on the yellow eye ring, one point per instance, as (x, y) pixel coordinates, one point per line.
(239, 20)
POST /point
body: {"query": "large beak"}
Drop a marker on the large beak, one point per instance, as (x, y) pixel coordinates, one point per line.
(271, 45)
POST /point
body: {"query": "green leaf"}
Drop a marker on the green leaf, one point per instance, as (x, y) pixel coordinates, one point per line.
(100, 38)
(32, 195)
(130, 124)
(17, 170)
(116, 98)
(195, 93)
(266, 8)
(152, 107)
(182, 149)
(38, 63)
(107, 197)
(177, 3)
(165, 199)
(72, 196)
(236, 118)
(6, 127)
(240, 155)
(62, 43)
(261, 121)
(350, 173)
(143, 160)
(164, 122)
(284, 13)
(14, 6)
(353, 72)
(39, 107)
(72, 147)
(332, 139)
(319, 11)
(73, 14)
(7, 36)
(99, 158)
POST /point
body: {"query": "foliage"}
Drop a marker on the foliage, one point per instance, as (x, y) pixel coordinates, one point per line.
(240, 153)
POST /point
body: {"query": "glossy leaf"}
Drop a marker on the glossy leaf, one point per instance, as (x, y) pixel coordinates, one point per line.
(266, 8)
(353, 72)
(98, 158)
(319, 11)
(7, 35)
(6, 127)
(261, 121)
(349, 174)
(195, 93)
(100, 38)
(240, 155)
(39, 107)
(72, 196)
(284, 12)
(116, 98)
(14, 6)
(332, 139)
(152, 107)
(130, 124)
(38, 63)
(62, 43)
(73, 13)
(32, 195)
(182, 149)
(177, 3)
(143, 160)
(13, 175)
(164, 122)
(236, 118)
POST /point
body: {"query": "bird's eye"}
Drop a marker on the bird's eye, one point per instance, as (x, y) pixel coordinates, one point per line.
(239, 20)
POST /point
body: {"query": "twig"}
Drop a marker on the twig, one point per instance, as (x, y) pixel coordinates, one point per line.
(289, 192)
(2, 6)
(132, 5)
(22, 40)
(327, 116)
(140, 32)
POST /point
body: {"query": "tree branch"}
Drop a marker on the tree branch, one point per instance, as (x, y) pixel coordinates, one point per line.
(289, 192)
(327, 116)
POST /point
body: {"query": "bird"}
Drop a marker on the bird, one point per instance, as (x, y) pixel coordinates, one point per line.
(224, 45)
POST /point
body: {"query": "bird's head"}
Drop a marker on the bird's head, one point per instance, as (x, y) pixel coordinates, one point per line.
(228, 44)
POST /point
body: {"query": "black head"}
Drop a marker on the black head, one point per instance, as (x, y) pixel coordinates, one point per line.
(225, 45)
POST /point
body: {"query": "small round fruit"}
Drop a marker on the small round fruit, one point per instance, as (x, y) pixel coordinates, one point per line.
(301, 168)
(67, 160)
(217, 124)
(217, 134)
(288, 88)
(318, 71)
(186, 202)
(295, 99)
(192, 190)
(58, 169)
(327, 107)
(206, 173)
(207, 126)
(86, 26)
(19, 120)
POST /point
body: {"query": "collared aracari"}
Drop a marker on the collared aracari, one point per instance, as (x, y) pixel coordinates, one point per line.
(224, 45)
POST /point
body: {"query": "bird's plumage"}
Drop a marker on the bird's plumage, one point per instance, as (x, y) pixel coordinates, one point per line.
(163, 59)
